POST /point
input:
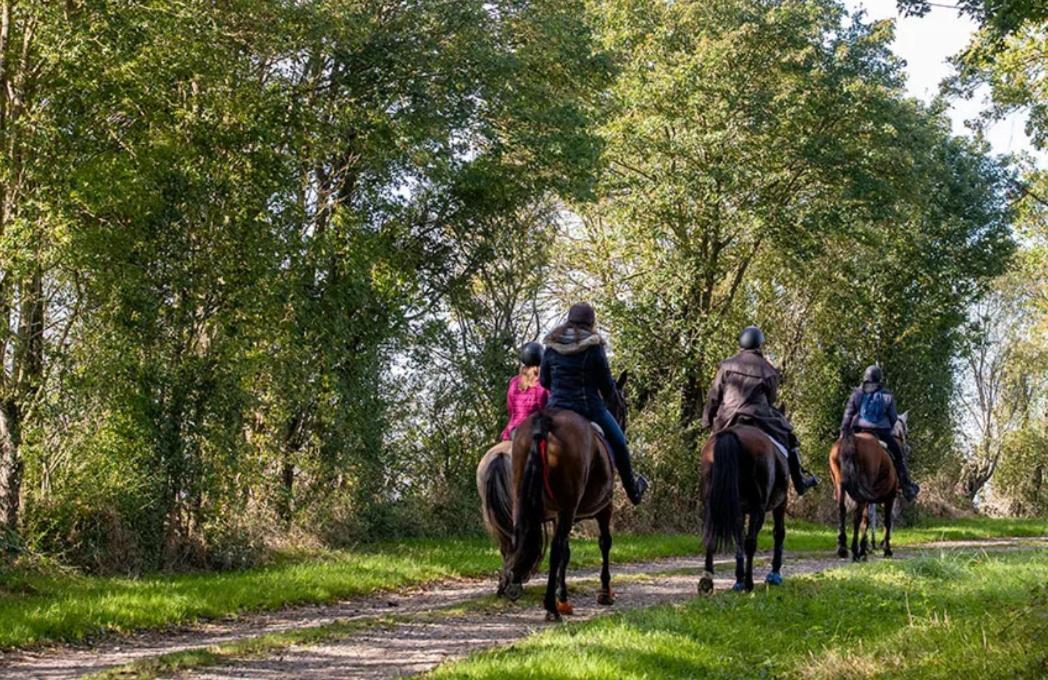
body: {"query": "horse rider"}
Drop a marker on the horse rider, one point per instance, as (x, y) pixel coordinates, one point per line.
(871, 408)
(743, 393)
(525, 395)
(575, 371)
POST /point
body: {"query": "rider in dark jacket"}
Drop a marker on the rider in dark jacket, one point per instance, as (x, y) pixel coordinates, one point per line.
(575, 371)
(744, 392)
(871, 408)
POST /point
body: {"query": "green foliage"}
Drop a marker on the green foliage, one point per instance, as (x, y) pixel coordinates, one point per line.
(264, 266)
(261, 203)
(763, 165)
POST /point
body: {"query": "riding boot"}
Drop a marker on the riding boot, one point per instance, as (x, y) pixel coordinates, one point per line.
(909, 488)
(634, 486)
(802, 479)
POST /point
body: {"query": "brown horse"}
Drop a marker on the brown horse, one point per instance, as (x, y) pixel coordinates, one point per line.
(494, 484)
(862, 470)
(743, 474)
(563, 473)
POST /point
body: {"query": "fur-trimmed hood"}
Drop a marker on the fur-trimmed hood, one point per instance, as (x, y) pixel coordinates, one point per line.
(570, 339)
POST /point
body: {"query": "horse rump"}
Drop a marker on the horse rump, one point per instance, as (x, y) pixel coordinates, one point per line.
(529, 539)
(853, 481)
(496, 497)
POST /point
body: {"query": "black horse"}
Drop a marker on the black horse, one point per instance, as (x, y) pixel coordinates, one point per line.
(743, 475)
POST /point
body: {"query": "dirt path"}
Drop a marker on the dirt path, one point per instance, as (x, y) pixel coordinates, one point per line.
(412, 645)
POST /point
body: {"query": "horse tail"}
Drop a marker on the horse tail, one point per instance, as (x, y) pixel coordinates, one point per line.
(528, 540)
(498, 500)
(851, 476)
(723, 506)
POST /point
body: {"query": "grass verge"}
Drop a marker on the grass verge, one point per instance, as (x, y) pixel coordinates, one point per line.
(959, 614)
(37, 608)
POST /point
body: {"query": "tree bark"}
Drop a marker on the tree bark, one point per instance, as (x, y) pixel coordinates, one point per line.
(10, 465)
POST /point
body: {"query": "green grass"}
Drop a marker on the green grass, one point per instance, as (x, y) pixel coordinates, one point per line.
(37, 608)
(959, 614)
(802, 536)
(43, 607)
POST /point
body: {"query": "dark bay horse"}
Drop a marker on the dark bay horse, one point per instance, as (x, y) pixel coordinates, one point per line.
(562, 473)
(743, 475)
(862, 470)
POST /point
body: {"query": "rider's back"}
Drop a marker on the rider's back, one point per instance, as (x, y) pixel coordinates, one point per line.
(575, 370)
(748, 383)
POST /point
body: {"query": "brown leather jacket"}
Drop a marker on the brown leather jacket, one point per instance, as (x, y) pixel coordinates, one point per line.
(745, 390)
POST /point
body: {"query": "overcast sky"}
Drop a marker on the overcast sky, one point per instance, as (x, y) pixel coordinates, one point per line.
(926, 44)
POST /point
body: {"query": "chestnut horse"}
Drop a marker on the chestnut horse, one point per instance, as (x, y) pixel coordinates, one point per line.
(562, 473)
(743, 475)
(862, 470)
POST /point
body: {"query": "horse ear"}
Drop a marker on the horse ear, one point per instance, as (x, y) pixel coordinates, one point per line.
(904, 416)
(621, 382)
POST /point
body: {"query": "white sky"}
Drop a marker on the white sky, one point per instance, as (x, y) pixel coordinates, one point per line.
(925, 44)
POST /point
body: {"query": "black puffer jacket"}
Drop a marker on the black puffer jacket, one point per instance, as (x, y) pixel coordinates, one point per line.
(575, 370)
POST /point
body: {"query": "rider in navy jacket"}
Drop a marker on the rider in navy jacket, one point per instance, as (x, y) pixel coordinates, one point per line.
(575, 371)
(878, 418)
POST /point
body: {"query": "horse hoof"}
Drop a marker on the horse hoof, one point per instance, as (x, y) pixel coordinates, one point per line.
(553, 617)
(565, 608)
(888, 554)
(514, 591)
(606, 597)
(705, 585)
(842, 553)
(773, 578)
(739, 586)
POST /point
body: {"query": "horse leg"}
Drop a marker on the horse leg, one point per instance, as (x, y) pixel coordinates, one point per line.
(506, 549)
(842, 520)
(860, 510)
(563, 606)
(556, 555)
(604, 523)
(706, 582)
(888, 505)
(756, 522)
(778, 516)
(740, 555)
(864, 528)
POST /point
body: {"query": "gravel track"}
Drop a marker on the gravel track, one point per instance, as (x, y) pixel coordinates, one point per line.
(425, 638)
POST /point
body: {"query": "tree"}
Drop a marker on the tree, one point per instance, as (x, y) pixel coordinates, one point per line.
(761, 154)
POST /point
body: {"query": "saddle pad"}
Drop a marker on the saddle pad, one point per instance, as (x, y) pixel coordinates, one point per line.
(597, 428)
(780, 447)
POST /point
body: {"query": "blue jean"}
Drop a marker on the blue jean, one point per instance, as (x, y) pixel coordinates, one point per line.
(617, 440)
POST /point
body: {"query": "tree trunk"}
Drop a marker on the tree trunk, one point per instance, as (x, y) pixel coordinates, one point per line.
(10, 465)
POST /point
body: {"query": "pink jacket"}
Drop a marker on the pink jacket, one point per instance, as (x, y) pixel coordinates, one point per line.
(522, 403)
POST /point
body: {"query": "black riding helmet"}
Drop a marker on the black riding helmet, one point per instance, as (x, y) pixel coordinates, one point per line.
(531, 354)
(751, 337)
(872, 378)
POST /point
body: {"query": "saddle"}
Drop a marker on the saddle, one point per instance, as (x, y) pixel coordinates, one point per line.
(599, 431)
